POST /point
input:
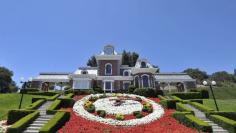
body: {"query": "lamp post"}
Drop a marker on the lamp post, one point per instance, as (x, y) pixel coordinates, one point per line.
(213, 83)
(24, 84)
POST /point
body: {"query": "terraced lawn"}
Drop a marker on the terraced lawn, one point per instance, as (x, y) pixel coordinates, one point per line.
(224, 105)
(11, 101)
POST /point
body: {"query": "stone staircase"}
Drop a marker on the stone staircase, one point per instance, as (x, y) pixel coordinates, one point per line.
(41, 120)
(215, 127)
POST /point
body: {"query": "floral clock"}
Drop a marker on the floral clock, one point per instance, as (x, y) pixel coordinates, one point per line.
(118, 109)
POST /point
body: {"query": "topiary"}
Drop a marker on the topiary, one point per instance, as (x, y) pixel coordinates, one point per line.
(138, 116)
(98, 90)
(101, 113)
(136, 112)
(120, 117)
(91, 109)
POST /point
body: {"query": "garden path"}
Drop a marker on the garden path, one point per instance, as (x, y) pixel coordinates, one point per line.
(41, 120)
(215, 127)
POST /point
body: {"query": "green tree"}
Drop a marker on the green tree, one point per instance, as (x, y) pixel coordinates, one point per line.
(196, 74)
(129, 58)
(6, 82)
(92, 61)
(222, 76)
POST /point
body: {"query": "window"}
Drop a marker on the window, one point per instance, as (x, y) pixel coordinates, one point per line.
(136, 82)
(143, 65)
(81, 84)
(126, 73)
(108, 69)
(108, 85)
(145, 81)
(84, 72)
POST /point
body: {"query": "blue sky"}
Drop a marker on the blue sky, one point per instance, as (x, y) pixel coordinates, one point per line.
(56, 35)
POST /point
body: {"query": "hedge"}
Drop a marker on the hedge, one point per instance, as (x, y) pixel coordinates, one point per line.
(181, 107)
(162, 97)
(201, 107)
(29, 90)
(191, 121)
(226, 123)
(188, 95)
(20, 125)
(57, 121)
(43, 93)
(230, 115)
(170, 104)
(196, 100)
(53, 107)
(83, 91)
(70, 95)
(67, 102)
(15, 115)
(51, 98)
(147, 92)
(204, 92)
(35, 105)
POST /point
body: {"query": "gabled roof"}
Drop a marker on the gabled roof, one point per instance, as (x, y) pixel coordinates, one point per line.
(173, 77)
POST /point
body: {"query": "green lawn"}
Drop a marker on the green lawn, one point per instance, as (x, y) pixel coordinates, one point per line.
(224, 105)
(11, 101)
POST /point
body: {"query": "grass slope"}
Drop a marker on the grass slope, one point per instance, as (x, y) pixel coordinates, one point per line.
(12, 101)
(224, 105)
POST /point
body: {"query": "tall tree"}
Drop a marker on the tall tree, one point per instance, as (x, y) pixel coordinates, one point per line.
(6, 82)
(129, 58)
(222, 76)
(92, 61)
(196, 74)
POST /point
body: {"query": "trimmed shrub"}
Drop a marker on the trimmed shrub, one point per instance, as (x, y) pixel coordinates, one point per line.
(57, 121)
(43, 93)
(36, 104)
(131, 89)
(101, 113)
(69, 95)
(120, 117)
(202, 107)
(15, 115)
(196, 100)
(54, 97)
(160, 92)
(191, 121)
(138, 114)
(161, 97)
(83, 91)
(230, 115)
(169, 104)
(177, 98)
(98, 90)
(91, 109)
(68, 91)
(181, 107)
(204, 93)
(226, 123)
(189, 95)
(67, 102)
(29, 90)
(147, 92)
(20, 125)
(53, 107)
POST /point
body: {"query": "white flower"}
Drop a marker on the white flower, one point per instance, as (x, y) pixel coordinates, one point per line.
(126, 108)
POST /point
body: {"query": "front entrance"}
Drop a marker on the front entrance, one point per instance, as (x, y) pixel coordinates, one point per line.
(108, 86)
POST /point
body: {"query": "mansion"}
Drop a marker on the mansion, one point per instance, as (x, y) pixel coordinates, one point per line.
(112, 76)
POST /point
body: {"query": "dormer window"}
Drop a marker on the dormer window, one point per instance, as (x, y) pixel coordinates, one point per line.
(84, 72)
(126, 73)
(108, 69)
(143, 64)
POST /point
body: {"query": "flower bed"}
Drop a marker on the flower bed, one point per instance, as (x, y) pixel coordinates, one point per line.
(3, 126)
(166, 124)
(87, 106)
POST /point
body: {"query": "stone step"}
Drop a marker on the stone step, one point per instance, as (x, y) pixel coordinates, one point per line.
(42, 119)
(31, 131)
(39, 122)
(33, 128)
(46, 116)
(36, 125)
(220, 131)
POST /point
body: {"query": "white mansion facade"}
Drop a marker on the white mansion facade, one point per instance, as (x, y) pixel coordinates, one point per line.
(112, 76)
